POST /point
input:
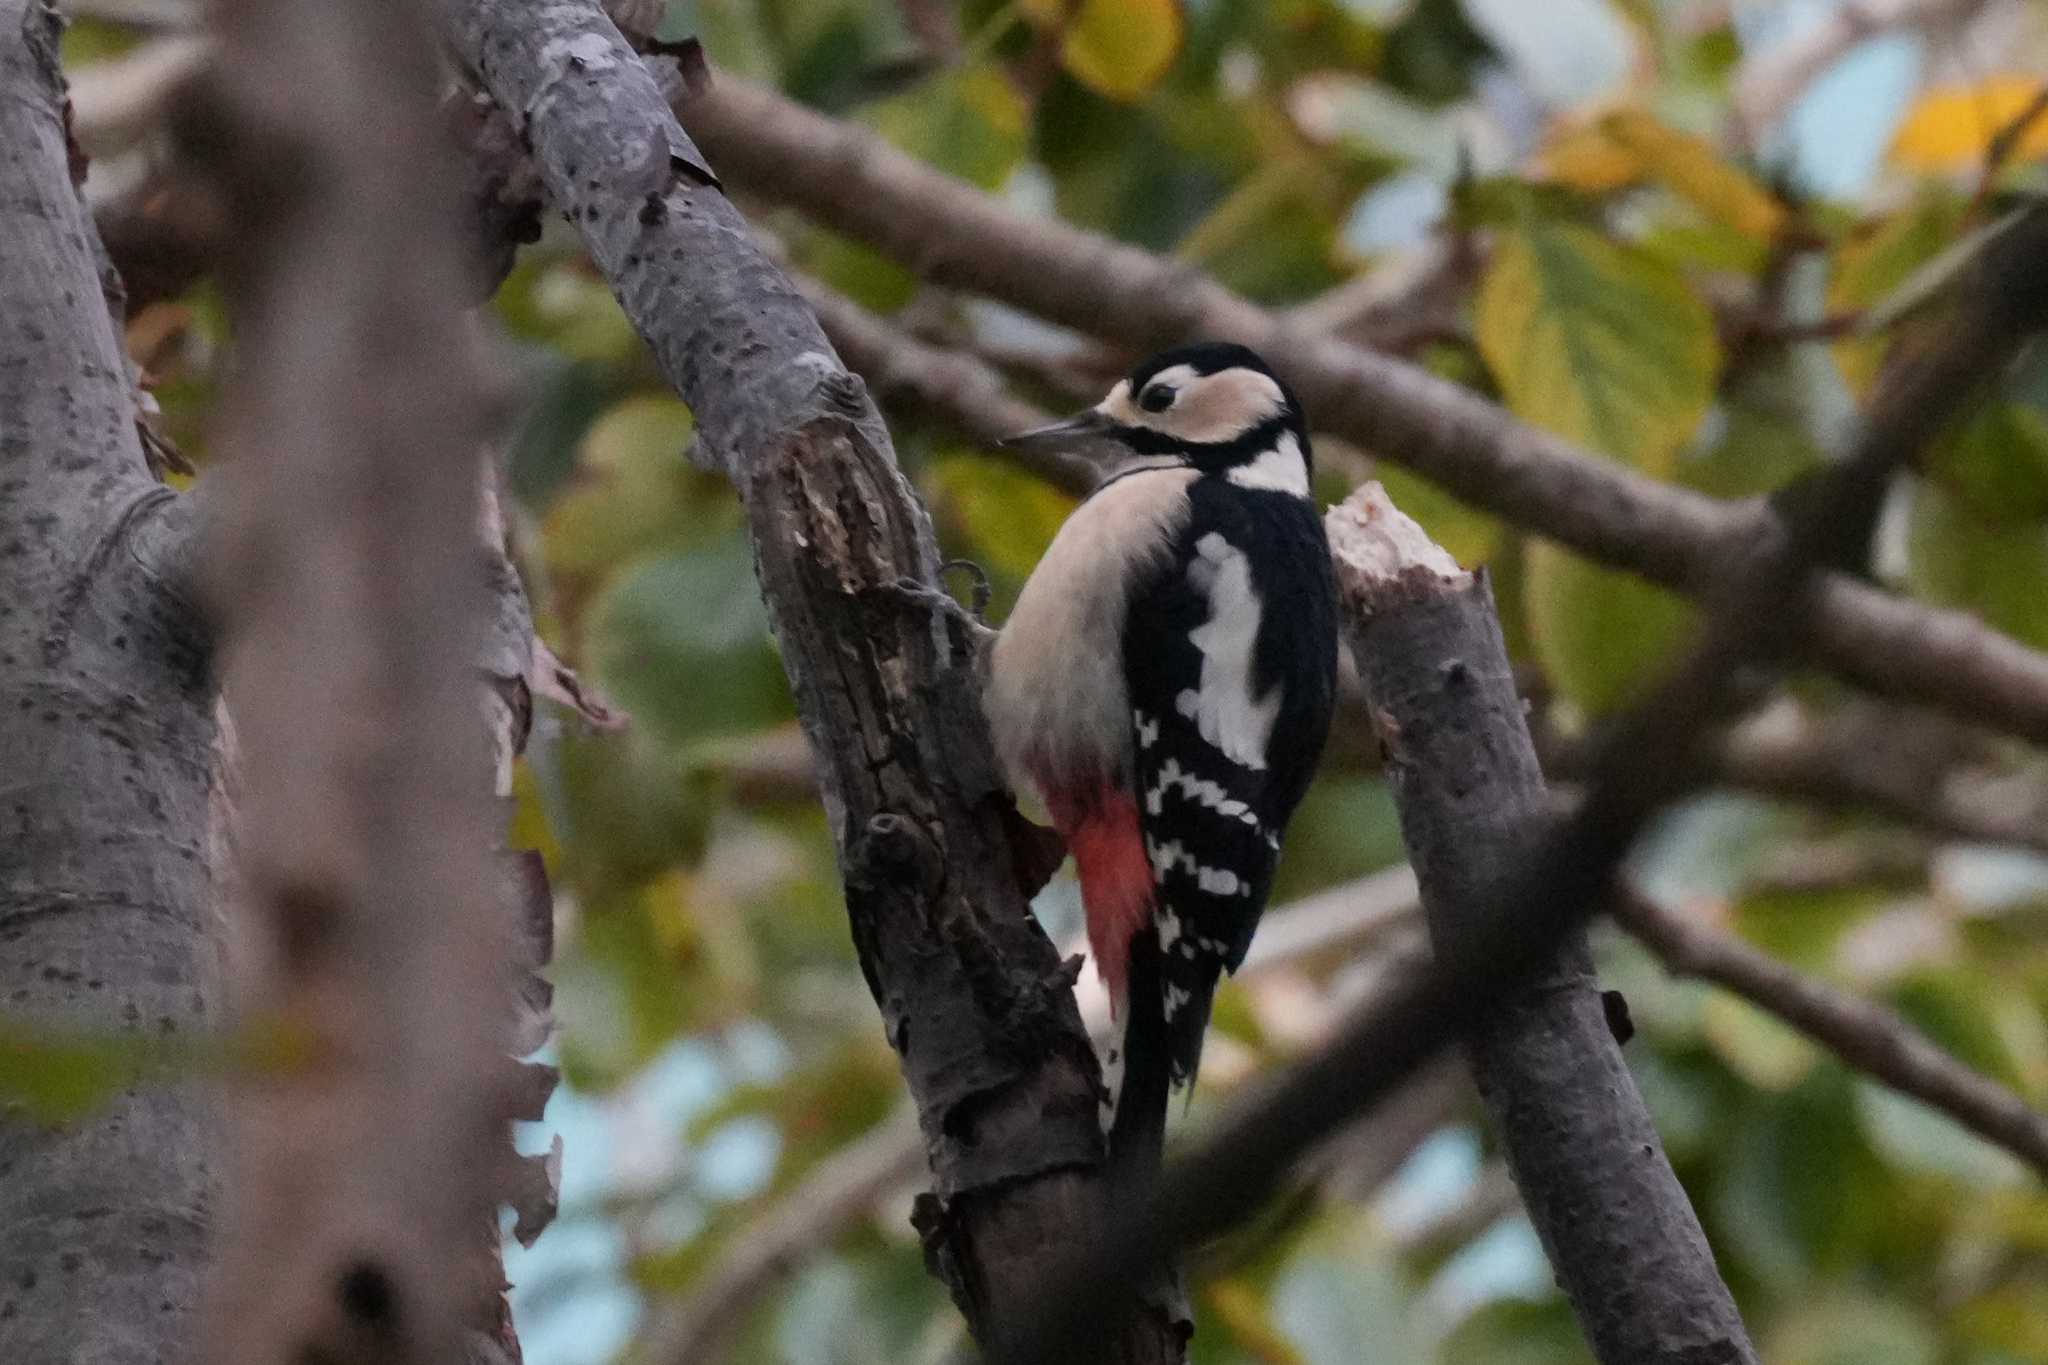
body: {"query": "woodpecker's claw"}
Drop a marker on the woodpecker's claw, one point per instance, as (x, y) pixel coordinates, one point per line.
(924, 596)
(979, 594)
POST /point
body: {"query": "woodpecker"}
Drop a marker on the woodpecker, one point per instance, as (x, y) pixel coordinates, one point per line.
(1165, 685)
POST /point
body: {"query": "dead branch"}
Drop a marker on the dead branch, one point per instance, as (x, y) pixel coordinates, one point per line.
(1619, 1231)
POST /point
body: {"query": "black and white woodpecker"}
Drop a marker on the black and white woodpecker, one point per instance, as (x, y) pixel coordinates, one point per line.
(1165, 685)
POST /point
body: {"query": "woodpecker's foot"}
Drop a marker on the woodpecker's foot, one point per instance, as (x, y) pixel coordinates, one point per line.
(979, 594)
(927, 598)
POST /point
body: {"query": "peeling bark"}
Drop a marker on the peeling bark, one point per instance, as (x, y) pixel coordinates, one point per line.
(972, 996)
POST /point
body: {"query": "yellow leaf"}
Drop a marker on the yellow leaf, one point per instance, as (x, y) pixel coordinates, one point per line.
(1871, 269)
(1118, 48)
(1691, 168)
(1628, 145)
(1951, 127)
(1598, 343)
(1602, 636)
(1584, 157)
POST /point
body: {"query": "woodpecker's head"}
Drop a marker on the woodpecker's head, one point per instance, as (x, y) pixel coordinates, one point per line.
(1213, 405)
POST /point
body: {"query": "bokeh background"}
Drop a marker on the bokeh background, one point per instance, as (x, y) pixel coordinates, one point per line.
(1638, 222)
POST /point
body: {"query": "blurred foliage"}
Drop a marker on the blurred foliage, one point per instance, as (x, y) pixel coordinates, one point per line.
(1555, 186)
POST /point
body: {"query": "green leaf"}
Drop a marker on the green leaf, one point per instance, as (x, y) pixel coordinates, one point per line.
(1913, 1135)
(629, 493)
(1518, 1332)
(1118, 48)
(1952, 1006)
(1998, 569)
(1872, 267)
(682, 640)
(1469, 534)
(1603, 636)
(1798, 1189)
(1802, 926)
(858, 271)
(1597, 342)
(1767, 437)
(571, 396)
(1764, 1051)
(1996, 463)
(1853, 1330)
(970, 123)
(996, 514)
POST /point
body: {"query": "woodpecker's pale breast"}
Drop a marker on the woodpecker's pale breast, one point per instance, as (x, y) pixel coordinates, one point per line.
(1056, 699)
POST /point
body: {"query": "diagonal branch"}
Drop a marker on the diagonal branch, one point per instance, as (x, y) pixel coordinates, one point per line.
(1866, 1035)
(952, 233)
(972, 995)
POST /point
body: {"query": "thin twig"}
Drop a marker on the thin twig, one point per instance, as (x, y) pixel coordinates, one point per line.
(2003, 144)
(1867, 1036)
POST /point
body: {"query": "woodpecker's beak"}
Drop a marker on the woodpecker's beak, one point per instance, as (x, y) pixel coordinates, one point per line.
(1088, 425)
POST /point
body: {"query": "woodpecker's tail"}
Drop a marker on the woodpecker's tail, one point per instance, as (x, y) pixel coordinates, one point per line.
(1168, 1004)
(1137, 1135)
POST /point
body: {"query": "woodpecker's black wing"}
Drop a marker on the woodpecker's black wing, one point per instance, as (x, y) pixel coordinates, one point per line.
(1230, 658)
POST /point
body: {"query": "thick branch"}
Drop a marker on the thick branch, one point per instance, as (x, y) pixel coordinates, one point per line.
(1618, 1229)
(949, 232)
(971, 993)
(1916, 767)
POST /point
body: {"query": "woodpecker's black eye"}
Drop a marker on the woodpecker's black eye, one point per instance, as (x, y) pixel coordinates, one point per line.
(1157, 398)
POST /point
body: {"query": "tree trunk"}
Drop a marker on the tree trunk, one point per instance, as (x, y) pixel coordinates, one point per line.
(108, 923)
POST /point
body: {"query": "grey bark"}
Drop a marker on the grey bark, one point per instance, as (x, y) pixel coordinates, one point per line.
(972, 995)
(107, 918)
(1612, 1216)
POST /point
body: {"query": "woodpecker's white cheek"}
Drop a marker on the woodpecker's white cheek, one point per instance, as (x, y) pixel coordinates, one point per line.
(1220, 407)
(1056, 699)
(1280, 470)
(1223, 705)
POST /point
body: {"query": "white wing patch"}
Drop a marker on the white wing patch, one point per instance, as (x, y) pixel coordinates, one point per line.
(1279, 470)
(1222, 706)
